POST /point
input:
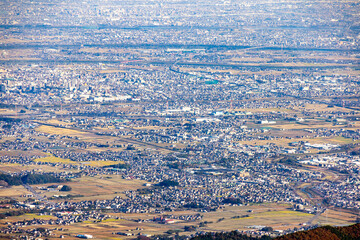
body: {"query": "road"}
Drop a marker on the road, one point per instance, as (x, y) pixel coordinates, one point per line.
(36, 195)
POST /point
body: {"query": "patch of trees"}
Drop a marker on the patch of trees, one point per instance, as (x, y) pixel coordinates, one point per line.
(326, 201)
(7, 200)
(7, 126)
(226, 162)
(169, 183)
(193, 205)
(242, 216)
(119, 165)
(189, 126)
(103, 145)
(204, 224)
(29, 179)
(129, 147)
(10, 180)
(260, 81)
(289, 160)
(69, 196)
(175, 165)
(145, 191)
(355, 152)
(182, 155)
(171, 231)
(170, 158)
(344, 171)
(9, 120)
(12, 213)
(165, 183)
(65, 188)
(40, 179)
(267, 229)
(232, 201)
(142, 237)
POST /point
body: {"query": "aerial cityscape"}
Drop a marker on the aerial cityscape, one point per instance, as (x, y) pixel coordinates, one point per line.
(153, 119)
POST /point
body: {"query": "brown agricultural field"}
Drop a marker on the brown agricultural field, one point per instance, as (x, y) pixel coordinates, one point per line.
(98, 187)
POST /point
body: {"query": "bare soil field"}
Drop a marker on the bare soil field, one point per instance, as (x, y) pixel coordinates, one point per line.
(15, 168)
(52, 159)
(98, 187)
(14, 191)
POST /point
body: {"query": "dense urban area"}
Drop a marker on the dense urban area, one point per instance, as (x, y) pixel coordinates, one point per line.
(171, 119)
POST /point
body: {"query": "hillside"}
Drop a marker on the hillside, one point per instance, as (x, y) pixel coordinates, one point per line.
(327, 232)
(234, 235)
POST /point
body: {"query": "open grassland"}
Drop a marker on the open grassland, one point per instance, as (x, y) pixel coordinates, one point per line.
(285, 142)
(336, 217)
(91, 136)
(275, 215)
(53, 159)
(14, 191)
(62, 131)
(255, 62)
(150, 128)
(91, 188)
(354, 125)
(38, 216)
(5, 111)
(15, 167)
(260, 110)
(342, 71)
(231, 71)
(100, 187)
(328, 174)
(98, 149)
(20, 54)
(4, 210)
(293, 126)
(334, 140)
(32, 39)
(16, 153)
(320, 107)
(30, 216)
(284, 213)
(58, 122)
(249, 59)
(7, 138)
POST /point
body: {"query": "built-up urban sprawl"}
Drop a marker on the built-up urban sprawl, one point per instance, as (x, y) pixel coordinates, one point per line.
(194, 107)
